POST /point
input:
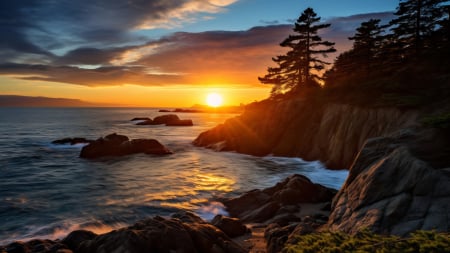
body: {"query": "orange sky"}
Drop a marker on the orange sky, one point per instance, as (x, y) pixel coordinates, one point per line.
(121, 54)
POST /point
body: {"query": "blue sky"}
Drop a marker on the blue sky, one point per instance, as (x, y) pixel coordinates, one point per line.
(67, 48)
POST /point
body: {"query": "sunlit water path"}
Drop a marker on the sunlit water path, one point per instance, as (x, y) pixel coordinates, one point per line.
(46, 190)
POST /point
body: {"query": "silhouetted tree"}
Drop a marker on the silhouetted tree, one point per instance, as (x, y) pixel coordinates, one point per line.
(301, 65)
(367, 44)
(416, 21)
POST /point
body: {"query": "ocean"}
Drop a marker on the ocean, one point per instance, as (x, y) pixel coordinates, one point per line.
(46, 190)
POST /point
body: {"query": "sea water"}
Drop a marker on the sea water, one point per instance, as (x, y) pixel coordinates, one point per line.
(46, 190)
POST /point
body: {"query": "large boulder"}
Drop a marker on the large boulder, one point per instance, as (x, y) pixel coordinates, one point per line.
(119, 145)
(396, 185)
(233, 227)
(276, 203)
(164, 236)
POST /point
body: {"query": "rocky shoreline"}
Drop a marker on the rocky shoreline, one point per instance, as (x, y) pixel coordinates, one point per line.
(296, 200)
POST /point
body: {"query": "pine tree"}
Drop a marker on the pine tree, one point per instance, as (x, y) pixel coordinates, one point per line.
(301, 65)
(367, 44)
(416, 21)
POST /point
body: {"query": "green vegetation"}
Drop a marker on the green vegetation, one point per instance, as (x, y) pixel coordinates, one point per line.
(327, 242)
(403, 63)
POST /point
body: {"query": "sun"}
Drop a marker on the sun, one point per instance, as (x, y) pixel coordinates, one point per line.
(214, 99)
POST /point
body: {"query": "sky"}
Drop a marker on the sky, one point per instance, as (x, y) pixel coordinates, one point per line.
(168, 53)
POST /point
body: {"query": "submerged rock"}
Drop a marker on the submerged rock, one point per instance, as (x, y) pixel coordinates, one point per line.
(181, 122)
(140, 118)
(72, 141)
(120, 145)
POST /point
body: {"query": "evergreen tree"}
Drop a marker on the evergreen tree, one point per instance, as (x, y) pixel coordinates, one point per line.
(416, 21)
(301, 65)
(367, 44)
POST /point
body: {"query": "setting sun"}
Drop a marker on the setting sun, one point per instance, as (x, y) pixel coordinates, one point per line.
(214, 100)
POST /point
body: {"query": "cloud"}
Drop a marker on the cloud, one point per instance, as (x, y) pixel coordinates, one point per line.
(211, 57)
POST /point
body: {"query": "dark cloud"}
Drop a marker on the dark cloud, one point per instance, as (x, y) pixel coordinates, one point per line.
(236, 57)
(103, 76)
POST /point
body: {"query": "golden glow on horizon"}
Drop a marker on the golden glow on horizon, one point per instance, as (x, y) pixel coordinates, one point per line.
(137, 95)
(214, 99)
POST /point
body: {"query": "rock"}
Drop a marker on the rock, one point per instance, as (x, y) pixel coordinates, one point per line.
(140, 118)
(120, 145)
(232, 227)
(75, 238)
(391, 190)
(165, 110)
(145, 122)
(282, 199)
(181, 122)
(165, 119)
(72, 141)
(36, 246)
(164, 235)
(277, 236)
(293, 127)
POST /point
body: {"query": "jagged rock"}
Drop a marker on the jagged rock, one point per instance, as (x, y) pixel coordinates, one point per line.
(232, 227)
(281, 199)
(119, 145)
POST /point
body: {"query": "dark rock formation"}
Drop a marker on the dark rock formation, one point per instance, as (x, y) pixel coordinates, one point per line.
(275, 203)
(36, 246)
(168, 120)
(119, 145)
(72, 141)
(181, 122)
(163, 235)
(165, 119)
(397, 185)
(140, 118)
(331, 133)
(230, 226)
(184, 232)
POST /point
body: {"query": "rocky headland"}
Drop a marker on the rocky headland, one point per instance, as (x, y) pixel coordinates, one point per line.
(399, 167)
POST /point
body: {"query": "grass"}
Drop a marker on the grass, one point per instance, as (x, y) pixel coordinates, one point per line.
(365, 241)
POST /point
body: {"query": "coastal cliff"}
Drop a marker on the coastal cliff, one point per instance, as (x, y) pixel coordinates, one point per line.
(399, 168)
(332, 133)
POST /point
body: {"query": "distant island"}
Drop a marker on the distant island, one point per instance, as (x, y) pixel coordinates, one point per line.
(28, 101)
(207, 109)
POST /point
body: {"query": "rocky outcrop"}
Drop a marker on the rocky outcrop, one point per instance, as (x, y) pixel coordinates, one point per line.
(183, 232)
(168, 120)
(397, 184)
(281, 203)
(332, 133)
(140, 118)
(120, 145)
